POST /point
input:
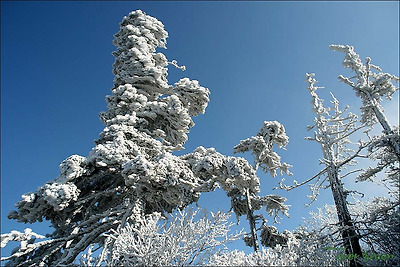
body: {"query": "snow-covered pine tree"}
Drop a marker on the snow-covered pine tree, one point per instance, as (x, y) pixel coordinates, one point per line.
(272, 132)
(131, 172)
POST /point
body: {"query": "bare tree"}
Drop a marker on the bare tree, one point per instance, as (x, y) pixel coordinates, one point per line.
(333, 128)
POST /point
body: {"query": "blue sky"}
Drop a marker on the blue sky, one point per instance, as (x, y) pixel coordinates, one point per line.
(56, 67)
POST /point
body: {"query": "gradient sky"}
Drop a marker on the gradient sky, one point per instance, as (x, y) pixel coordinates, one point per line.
(56, 67)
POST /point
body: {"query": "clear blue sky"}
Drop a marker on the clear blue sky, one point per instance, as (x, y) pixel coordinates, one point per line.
(56, 67)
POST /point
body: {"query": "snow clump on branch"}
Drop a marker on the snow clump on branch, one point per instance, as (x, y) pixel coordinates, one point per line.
(272, 132)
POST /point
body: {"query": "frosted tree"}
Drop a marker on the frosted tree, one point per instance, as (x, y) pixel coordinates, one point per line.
(131, 172)
(238, 179)
(272, 132)
(333, 128)
(371, 84)
(131, 168)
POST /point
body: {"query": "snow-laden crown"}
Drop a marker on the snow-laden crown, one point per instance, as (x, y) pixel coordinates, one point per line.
(141, 96)
(369, 82)
(272, 132)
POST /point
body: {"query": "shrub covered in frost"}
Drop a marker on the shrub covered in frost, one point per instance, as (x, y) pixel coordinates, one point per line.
(183, 239)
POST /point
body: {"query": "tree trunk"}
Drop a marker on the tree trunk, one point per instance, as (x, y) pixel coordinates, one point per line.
(349, 235)
(252, 222)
